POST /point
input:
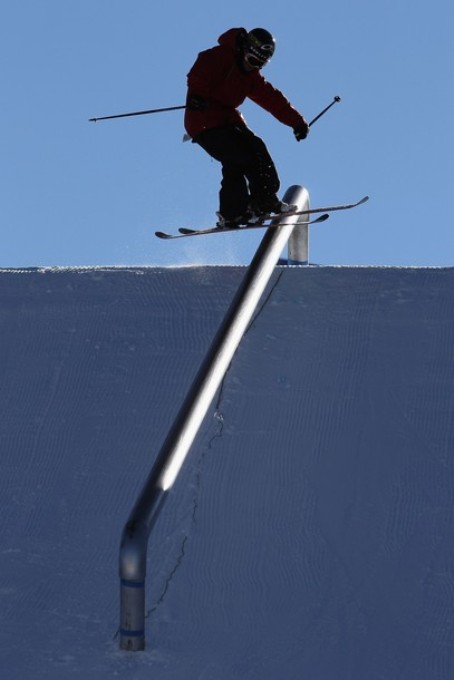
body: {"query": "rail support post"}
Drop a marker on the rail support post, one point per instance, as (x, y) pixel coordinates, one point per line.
(298, 243)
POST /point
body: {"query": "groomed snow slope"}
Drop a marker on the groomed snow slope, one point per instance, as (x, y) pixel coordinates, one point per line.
(311, 533)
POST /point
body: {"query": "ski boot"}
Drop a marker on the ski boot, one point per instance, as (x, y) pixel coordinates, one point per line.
(264, 209)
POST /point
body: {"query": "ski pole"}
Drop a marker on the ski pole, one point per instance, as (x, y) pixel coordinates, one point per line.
(176, 108)
(136, 113)
(335, 100)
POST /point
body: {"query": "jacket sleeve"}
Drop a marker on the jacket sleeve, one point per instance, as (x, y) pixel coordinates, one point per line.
(271, 99)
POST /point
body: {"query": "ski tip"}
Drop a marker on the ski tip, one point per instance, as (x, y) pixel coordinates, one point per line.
(322, 218)
(363, 200)
(161, 234)
(185, 230)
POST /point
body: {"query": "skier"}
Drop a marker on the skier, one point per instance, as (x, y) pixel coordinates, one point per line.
(218, 82)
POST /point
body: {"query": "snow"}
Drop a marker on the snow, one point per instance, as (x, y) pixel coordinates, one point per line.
(310, 532)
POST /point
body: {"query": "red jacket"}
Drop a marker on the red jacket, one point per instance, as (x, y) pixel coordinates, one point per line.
(218, 78)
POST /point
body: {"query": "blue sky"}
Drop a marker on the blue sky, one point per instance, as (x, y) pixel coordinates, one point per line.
(78, 193)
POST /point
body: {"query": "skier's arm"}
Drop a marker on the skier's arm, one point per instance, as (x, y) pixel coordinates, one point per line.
(272, 100)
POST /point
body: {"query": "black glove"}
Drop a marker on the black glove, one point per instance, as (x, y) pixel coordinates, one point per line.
(196, 103)
(301, 131)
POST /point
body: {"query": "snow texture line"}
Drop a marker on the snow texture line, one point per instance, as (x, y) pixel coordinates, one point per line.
(169, 579)
(265, 302)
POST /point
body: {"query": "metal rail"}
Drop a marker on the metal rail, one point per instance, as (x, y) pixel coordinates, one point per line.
(134, 542)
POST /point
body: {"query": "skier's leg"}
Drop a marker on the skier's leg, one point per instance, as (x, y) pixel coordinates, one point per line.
(261, 174)
(225, 145)
(234, 194)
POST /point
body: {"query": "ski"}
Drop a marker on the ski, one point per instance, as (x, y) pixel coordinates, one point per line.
(326, 209)
(263, 224)
(332, 208)
(184, 232)
(266, 223)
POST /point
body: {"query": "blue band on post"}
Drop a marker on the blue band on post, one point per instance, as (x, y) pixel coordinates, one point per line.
(132, 584)
(132, 633)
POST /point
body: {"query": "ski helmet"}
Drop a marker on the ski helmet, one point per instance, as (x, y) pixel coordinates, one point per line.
(258, 47)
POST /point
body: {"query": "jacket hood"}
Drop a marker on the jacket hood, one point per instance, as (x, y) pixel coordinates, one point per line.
(229, 38)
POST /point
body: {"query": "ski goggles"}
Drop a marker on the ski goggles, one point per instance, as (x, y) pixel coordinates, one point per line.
(256, 53)
(255, 62)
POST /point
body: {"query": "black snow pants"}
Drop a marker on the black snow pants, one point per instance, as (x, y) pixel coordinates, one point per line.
(249, 176)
